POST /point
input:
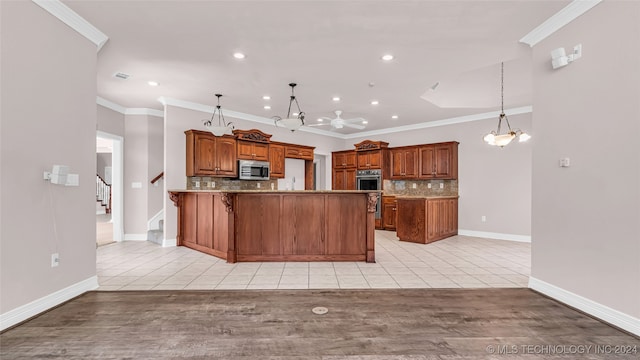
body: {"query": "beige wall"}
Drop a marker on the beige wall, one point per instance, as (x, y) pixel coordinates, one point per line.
(136, 163)
(102, 160)
(586, 232)
(110, 121)
(48, 117)
(493, 182)
(155, 193)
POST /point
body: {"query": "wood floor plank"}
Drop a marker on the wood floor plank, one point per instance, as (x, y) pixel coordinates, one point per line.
(278, 324)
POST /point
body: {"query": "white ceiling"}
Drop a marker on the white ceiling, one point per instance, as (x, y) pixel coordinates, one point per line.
(330, 48)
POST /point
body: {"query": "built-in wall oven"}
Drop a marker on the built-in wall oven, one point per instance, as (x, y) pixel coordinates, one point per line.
(370, 180)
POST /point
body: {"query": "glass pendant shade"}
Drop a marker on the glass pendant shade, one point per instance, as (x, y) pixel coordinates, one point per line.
(223, 128)
(495, 138)
(292, 121)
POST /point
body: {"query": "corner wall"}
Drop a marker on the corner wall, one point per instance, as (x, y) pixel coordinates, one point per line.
(47, 118)
(586, 218)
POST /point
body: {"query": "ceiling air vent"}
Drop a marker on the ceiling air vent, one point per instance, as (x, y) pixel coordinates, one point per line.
(121, 75)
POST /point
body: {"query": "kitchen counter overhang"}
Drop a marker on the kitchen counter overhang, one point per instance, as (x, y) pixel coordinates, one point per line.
(272, 225)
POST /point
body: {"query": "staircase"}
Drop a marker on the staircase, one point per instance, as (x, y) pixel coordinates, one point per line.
(156, 235)
(103, 196)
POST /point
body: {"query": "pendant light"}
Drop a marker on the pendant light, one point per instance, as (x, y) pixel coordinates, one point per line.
(497, 138)
(223, 128)
(294, 122)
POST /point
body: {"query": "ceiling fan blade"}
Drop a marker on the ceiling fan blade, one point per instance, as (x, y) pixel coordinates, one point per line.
(319, 124)
(326, 118)
(354, 126)
(354, 120)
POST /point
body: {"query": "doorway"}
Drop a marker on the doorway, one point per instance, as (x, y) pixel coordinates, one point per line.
(109, 188)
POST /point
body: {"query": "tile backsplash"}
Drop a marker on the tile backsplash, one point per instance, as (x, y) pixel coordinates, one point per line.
(211, 183)
(420, 187)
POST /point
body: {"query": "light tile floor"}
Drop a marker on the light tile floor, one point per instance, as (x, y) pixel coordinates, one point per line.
(456, 262)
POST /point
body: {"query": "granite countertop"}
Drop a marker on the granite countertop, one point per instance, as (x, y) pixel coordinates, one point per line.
(425, 197)
(267, 191)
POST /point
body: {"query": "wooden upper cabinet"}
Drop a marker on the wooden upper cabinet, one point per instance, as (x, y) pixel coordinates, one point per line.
(248, 150)
(439, 161)
(372, 154)
(209, 155)
(299, 152)
(344, 159)
(252, 144)
(276, 160)
(404, 163)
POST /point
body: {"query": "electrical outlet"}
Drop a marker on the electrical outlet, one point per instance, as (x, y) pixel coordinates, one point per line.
(483, 218)
(213, 184)
(428, 185)
(258, 185)
(413, 186)
(55, 260)
(197, 184)
(441, 185)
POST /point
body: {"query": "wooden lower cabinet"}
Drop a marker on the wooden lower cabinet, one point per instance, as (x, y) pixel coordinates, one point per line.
(389, 212)
(278, 226)
(424, 220)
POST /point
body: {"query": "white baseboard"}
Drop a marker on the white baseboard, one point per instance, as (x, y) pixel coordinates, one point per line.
(497, 236)
(602, 312)
(45, 303)
(135, 237)
(169, 242)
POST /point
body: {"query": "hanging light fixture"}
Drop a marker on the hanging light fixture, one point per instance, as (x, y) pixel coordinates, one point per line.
(292, 121)
(497, 138)
(223, 127)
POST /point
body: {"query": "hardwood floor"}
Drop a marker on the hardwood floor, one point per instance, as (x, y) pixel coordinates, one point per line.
(279, 324)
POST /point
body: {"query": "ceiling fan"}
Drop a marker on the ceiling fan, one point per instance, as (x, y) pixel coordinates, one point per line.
(339, 123)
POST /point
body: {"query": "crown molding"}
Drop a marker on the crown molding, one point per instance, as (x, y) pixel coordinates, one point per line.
(443, 122)
(128, 111)
(240, 115)
(558, 20)
(74, 21)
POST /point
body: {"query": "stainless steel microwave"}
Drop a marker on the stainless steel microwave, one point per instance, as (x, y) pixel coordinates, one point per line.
(253, 170)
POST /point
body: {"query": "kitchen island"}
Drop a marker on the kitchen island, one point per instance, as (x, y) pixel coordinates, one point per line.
(425, 219)
(264, 225)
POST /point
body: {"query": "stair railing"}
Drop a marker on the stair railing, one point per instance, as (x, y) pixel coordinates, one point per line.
(103, 193)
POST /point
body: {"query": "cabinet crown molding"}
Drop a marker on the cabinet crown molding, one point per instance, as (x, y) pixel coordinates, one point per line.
(252, 135)
(371, 145)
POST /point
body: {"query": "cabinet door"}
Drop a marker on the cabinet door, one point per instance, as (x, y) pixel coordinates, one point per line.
(442, 159)
(205, 151)
(245, 150)
(389, 211)
(375, 159)
(276, 161)
(226, 157)
(261, 152)
(427, 164)
(411, 163)
(363, 160)
(339, 179)
(350, 159)
(296, 152)
(350, 179)
(397, 164)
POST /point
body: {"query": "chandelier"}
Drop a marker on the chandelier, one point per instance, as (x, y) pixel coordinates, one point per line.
(292, 121)
(223, 127)
(497, 138)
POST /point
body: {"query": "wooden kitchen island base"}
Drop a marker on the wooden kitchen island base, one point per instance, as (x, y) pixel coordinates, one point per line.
(426, 219)
(278, 225)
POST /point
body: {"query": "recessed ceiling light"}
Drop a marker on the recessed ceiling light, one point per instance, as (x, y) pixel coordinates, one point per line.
(294, 114)
(374, 102)
(335, 98)
(365, 122)
(320, 120)
(238, 55)
(394, 117)
(387, 57)
(267, 107)
(266, 97)
(153, 83)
